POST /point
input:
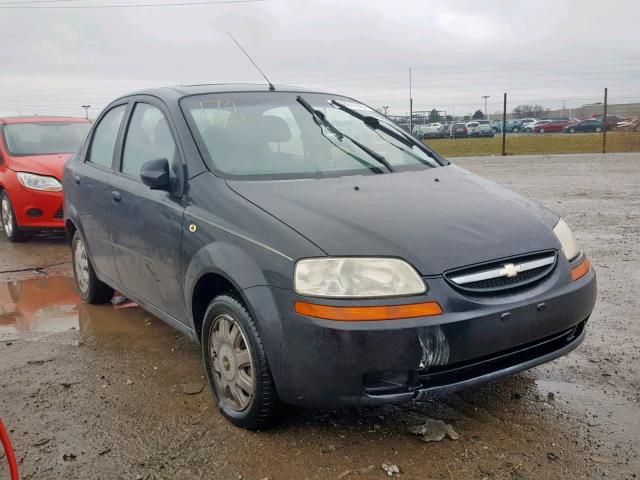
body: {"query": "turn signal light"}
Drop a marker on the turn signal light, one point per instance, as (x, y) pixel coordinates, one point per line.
(581, 270)
(365, 314)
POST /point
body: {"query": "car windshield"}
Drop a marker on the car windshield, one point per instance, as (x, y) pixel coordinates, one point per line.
(45, 138)
(259, 135)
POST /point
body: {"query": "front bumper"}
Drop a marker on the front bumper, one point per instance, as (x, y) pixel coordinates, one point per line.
(36, 209)
(328, 363)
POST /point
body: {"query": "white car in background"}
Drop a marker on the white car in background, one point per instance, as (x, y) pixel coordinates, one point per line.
(430, 130)
(473, 129)
(528, 124)
(485, 129)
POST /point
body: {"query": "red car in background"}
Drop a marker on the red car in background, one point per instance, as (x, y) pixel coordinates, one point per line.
(33, 151)
(550, 127)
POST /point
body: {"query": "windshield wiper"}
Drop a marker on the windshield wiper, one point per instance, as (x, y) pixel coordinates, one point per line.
(320, 118)
(399, 136)
(374, 123)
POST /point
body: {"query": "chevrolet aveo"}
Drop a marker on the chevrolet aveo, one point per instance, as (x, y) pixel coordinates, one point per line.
(319, 254)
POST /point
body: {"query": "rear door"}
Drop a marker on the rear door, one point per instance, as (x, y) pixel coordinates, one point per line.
(148, 223)
(94, 185)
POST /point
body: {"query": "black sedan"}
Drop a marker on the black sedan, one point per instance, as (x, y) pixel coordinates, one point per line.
(319, 254)
(592, 125)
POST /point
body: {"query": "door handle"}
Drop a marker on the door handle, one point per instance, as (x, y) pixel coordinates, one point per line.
(76, 178)
(116, 196)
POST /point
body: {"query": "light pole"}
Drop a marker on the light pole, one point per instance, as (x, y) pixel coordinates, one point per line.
(86, 111)
(385, 108)
(485, 106)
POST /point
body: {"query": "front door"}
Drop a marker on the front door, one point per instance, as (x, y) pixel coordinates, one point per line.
(148, 223)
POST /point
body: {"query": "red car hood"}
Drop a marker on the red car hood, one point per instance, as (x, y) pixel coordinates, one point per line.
(50, 165)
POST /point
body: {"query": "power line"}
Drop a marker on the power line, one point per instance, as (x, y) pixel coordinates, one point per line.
(135, 5)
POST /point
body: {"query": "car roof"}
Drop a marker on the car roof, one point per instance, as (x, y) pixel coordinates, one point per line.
(38, 119)
(179, 91)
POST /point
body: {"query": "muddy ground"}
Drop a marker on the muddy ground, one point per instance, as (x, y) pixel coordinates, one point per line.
(92, 392)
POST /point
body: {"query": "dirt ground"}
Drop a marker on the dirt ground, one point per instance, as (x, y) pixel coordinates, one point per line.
(96, 393)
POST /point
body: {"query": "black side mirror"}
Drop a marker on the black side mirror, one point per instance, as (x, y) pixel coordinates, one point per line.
(156, 175)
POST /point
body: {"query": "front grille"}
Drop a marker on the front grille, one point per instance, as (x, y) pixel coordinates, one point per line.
(505, 274)
(59, 214)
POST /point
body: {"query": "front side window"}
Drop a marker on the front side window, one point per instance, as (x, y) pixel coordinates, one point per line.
(271, 135)
(105, 136)
(44, 138)
(148, 138)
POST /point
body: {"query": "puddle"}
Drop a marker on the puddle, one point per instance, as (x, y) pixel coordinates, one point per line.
(37, 308)
(604, 409)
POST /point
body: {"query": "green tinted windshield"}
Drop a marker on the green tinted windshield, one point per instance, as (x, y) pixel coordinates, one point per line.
(45, 138)
(271, 135)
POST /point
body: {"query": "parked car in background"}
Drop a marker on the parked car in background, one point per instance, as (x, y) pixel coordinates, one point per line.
(484, 128)
(473, 129)
(33, 151)
(611, 122)
(446, 129)
(591, 125)
(459, 130)
(550, 126)
(496, 126)
(313, 268)
(513, 126)
(527, 124)
(430, 130)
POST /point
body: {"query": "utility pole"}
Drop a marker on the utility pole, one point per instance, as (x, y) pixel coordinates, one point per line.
(485, 106)
(86, 111)
(504, 125)
(410, 105)
(385, 108)
(604, 124)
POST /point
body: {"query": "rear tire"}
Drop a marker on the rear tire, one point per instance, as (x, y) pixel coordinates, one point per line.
(236, 365)
(515, 129)
(91, 290)
(598, 130)
(572, 130)
(8, 218)
(542, 130)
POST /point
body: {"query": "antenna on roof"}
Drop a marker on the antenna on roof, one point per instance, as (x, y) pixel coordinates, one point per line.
(271, 87)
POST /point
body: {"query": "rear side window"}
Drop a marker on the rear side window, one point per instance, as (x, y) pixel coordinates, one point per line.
(148, 138)
(105, 136)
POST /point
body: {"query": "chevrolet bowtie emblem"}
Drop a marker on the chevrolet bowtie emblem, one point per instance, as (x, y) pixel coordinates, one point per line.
(510, 270)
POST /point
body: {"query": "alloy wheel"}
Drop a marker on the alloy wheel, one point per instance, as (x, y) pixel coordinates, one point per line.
(232, 363)
(7, 216)
(81, 266)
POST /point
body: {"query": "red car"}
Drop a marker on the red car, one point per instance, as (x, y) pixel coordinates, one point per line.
(552, 126)
(33, 151)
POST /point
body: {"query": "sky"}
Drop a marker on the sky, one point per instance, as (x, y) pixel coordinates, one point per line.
(55, 56)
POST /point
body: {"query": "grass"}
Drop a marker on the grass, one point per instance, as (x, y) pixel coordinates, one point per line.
(537, 144)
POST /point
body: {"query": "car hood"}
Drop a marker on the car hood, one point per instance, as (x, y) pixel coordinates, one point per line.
(437, 219)
(51, 165)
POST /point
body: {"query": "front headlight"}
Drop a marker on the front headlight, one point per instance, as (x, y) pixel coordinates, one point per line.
(567, 240)
(356, 277)
(39, 182)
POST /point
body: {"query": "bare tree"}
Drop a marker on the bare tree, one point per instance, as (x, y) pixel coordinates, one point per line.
(524, 111)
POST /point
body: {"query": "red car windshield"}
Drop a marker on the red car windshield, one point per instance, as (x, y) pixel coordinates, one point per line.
(44, 138)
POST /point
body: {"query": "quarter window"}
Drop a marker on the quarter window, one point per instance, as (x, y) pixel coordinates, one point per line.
(105, 136)
(148, 138)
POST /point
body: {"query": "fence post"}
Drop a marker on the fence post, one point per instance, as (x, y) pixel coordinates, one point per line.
(604, 124)
(504, 125)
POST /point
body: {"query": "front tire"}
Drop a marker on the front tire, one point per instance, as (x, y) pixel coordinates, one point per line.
(8, 217)
(91, 289)
(515, 129)
(598, 130)
(236, 365)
